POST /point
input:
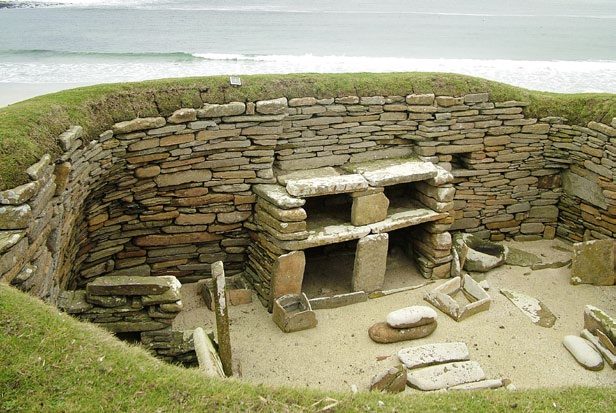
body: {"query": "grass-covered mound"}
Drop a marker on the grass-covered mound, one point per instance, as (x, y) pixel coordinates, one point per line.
(29, 129)
(50, 362)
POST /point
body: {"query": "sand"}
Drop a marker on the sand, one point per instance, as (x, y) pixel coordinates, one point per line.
(338, 353)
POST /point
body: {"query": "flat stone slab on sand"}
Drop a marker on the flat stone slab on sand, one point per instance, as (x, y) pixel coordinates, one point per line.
(583, 352)
(531, 307)
(447, 375)
(430, 354)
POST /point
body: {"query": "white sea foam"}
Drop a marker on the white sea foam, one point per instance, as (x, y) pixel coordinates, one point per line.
(556, 76)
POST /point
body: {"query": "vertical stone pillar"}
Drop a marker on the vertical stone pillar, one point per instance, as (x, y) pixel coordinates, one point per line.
(222, 318)
(370, 263)
(287, 275)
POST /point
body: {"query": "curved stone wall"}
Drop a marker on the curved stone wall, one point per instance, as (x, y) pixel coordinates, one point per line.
(172, 195)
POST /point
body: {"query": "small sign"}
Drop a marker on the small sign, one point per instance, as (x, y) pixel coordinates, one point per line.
(235, 81)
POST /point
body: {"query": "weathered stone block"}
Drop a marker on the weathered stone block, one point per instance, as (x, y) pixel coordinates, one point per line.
(217, 111)
(138, 124)
(183, 177)
(288, 274)
(369, 209)
(183, 115)
(15, 217)
(20, 194)
(174, 239)
(593, 262)
(423, 99)
(596, 319)
(370, 263)
(39, 169)
(586, 189)
(392, 380)
(272, 107)
(127, 285)
(445, 375)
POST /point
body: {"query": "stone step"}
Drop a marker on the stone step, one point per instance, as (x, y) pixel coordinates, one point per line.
(447, 375)
(430, 354)
(128, 285)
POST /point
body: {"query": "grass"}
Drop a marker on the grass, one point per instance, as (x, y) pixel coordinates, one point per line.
(29, 129)
(51, 362)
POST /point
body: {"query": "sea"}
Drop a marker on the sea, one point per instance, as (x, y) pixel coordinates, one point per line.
(566, 46)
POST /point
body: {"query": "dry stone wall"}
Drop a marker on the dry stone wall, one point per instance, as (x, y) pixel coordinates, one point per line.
(171, 195)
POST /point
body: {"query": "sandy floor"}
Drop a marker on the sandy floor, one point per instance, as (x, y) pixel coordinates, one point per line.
(338, 353)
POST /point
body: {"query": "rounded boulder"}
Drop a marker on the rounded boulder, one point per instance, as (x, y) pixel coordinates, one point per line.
(414, 316)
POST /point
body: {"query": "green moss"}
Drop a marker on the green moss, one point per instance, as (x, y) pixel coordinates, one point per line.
(29, 129)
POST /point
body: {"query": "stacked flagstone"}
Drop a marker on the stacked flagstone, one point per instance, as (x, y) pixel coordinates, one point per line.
(174, 190)
(143, 305)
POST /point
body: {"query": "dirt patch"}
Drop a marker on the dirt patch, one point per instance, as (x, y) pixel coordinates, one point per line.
(338, 353)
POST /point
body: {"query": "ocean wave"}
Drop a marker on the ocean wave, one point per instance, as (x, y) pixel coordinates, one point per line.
(41, 66)
(58, 55)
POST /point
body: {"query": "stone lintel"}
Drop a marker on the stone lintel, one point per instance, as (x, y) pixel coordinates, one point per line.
(394, 171)
(129, 285)
(326, 185)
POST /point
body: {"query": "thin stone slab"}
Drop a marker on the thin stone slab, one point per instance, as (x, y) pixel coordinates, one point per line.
(430, 354)
(480, 385)
(447, 375)
(583, 352)
(402, 216)
(392, 380)
(329, 234)
(277, 195)
(531, 307)
(608, 356)
(370, 263)
(593, 262)
(329, 185)
(338, 300)
(285, 177)
(394, 171)
(9, 238)
(129, 285)
(207, 356)
(596, 319)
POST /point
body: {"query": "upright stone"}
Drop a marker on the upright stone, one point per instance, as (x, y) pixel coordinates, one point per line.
(593, 262)
(369, 209)
(288, 275)
(370, 263)
(222, 318)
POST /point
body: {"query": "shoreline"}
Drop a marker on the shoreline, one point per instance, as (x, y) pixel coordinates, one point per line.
(16, 92)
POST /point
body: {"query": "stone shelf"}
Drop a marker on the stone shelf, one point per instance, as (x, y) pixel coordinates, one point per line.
(331, 229)
(393, 171)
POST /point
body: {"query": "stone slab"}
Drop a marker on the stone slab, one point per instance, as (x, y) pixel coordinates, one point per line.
(531, 307)
(430, 354)
(20, 194)
(128, 285)
(583, 188)
(402, 216)
(370, 263)
(325, 235)
(593, 262)
(597, 319)
(288, 274)
(9, 238)
(329, 185)
(207, 356)
(338, 300)
(583, 352)
(384, 334)
(479, 385)
(284, 176)
(392, 380)
(447, 375)
(394, 171)
(369, 209)
(608, 356)
(278, 196)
